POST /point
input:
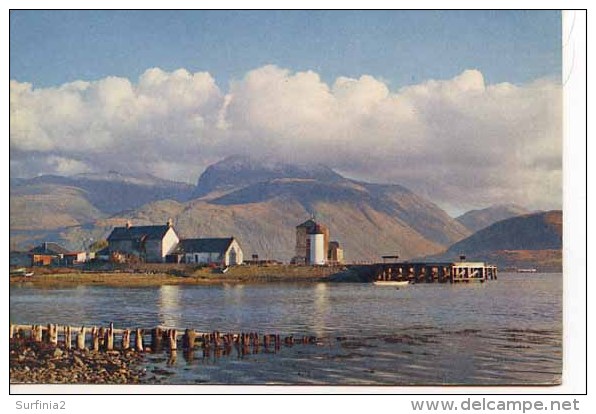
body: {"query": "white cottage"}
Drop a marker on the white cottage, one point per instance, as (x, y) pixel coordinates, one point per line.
(219, 251)
(149, 243)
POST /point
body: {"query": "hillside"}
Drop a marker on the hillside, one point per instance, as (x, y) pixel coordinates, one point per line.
(50, 206)
(267, 227)
(531, 240)
(475, 220)
(70, 210)
(112, 192)
(262, 205)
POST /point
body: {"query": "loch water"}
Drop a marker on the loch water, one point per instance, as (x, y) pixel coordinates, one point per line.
(502, 332)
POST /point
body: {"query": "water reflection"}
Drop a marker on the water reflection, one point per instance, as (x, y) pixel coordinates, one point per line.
(321, 309)
(169, 306)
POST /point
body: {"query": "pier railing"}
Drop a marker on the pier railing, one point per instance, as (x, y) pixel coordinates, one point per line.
(435, 272)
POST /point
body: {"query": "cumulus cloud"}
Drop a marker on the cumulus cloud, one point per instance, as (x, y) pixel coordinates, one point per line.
(460, 142)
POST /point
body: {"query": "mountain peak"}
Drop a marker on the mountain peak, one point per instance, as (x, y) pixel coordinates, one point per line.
(475, 220)
(238, 171)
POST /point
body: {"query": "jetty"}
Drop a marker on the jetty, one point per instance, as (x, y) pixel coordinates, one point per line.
(434, 272)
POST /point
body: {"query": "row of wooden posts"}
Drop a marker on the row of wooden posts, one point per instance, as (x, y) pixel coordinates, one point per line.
(104, 338)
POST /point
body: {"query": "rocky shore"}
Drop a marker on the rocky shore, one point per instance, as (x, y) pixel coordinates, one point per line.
(40, 363)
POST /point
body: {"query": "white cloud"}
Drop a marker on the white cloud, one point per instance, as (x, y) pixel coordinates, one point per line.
(459, 141)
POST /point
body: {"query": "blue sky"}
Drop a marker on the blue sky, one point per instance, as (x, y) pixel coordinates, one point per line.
(347, 89)
(49, 48)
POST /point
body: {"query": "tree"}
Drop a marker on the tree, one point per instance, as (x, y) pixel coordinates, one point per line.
(98, 245)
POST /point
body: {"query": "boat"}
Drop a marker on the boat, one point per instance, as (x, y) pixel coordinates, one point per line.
(21, 272)
(391, 283)
(532, 270)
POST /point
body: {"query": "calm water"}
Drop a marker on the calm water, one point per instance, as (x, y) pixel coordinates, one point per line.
(501, 332)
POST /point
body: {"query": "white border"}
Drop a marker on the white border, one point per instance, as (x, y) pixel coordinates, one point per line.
(574, 232)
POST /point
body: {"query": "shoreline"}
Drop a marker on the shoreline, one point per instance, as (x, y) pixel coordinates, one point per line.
(204, 276)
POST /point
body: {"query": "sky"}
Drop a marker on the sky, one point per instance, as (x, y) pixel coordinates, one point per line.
(446, 103)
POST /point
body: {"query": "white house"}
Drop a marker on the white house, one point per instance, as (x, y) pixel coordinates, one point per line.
(219, 251)
(148, 243)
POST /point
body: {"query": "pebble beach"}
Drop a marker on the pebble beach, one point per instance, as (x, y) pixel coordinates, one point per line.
(41, 363)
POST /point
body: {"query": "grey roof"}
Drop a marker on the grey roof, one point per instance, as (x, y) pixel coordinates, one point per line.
(50, 248)
(208, 245)
(308, 224)
(138, 233)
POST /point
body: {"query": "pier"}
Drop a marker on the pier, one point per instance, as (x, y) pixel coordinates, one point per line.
(434, 272)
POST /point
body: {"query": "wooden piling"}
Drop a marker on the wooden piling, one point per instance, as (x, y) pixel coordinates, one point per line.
(188, 340)
(81, 338)
(95, 338)
(109, 341)
(52, 334)
(67, 337)
(139, 340)
(36, 333)
(11, 331)
(125, 339)
(102, 336)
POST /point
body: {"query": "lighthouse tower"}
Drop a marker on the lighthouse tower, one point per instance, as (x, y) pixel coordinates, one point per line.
(318, 254)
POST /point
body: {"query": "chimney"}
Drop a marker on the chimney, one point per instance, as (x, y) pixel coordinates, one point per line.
(128, 224)
(170, 222)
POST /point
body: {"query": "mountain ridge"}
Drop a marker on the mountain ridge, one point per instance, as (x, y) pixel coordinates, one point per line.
(476, 220)
(262, 203)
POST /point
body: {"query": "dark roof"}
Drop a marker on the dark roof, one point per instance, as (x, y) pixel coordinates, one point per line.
(138, 233)
(50, 248)
(211, 245)
(308, 224)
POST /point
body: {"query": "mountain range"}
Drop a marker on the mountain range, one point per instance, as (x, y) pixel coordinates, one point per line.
(258, 201)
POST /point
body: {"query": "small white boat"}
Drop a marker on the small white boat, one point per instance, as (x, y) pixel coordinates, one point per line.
(21, 272)
(531, 270)
(393, 283)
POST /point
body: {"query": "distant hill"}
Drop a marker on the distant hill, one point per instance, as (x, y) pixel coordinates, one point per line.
(66, 209)
(261, 203)
(109, 193)
(475, 220)
(531, 240)
(49, 206)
